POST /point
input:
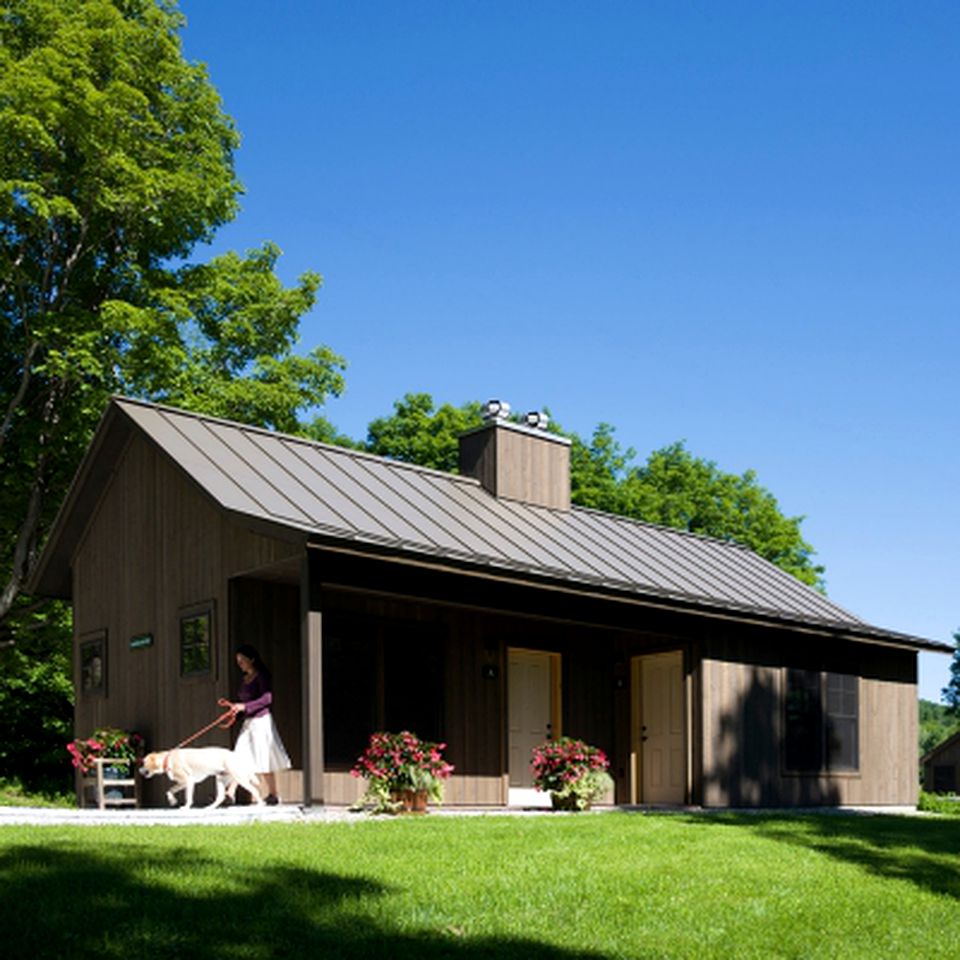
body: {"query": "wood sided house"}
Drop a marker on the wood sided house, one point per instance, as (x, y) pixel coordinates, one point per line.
(478, 609)
(941, 767)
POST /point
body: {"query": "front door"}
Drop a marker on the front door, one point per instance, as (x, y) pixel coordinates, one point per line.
(660, 765)
(531, 706)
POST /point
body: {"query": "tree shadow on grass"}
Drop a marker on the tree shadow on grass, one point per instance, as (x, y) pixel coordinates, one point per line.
(922, 851)
(62, 902)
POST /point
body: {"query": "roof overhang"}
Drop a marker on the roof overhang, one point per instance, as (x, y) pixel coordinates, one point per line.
(643, 598)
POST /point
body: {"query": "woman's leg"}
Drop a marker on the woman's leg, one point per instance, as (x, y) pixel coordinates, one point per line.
(270, 782)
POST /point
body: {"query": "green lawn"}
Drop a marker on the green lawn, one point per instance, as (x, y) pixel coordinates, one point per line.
(605, 885)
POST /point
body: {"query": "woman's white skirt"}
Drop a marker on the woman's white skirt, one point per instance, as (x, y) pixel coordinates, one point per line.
(259, 744)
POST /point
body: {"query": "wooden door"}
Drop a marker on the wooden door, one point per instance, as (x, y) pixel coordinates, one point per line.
(660, 739)
(530, 709)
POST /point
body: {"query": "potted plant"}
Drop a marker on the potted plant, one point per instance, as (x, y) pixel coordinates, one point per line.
(572, 772)
(107, 743)
(403, 772)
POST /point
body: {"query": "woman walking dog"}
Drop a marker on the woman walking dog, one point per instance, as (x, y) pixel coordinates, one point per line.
(259, 743)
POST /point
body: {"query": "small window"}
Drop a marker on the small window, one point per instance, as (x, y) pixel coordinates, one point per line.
(93, 664)
(196, 641)
(821, 722)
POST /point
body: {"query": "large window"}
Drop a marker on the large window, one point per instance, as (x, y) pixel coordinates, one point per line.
(821, 725)
(196, 641)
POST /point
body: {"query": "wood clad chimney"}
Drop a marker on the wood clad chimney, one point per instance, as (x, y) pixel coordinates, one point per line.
(517, 462)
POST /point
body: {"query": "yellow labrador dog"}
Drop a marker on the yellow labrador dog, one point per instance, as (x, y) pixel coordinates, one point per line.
(188, 767)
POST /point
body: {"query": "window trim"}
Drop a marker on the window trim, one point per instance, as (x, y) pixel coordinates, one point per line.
(824, 769)
(193, 612)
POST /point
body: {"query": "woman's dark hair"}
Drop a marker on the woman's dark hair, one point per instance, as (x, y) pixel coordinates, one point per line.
(250, 652)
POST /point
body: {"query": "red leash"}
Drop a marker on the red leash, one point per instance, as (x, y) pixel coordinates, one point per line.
(224, 721)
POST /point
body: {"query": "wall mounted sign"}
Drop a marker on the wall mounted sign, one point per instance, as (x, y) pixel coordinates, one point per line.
(141, 640)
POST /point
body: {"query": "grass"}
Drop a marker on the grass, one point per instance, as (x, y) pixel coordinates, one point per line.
(939, 803)
(14, 794)
(592, 886)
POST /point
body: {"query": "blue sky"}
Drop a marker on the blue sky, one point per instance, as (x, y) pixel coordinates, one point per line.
(735, 224)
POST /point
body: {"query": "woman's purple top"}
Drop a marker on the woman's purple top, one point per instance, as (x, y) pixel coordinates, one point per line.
(255, 696)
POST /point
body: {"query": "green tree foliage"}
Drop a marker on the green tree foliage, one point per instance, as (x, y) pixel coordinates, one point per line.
(951, 692)
(672, 488)
(36, 698)
(418, 432)
(116, 161)
(936, 725)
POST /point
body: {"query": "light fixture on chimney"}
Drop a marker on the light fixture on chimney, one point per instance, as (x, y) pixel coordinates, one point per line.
(537, 419)
(496, 410)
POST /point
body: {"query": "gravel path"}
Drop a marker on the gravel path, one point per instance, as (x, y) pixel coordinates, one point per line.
(294, 813)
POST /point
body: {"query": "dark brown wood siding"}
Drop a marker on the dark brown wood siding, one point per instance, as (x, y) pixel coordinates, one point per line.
(743, 721)
(154, 546)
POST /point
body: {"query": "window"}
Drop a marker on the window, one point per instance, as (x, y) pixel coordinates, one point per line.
(944, 779)
(196, 641)
(821, 721)
(93, 664)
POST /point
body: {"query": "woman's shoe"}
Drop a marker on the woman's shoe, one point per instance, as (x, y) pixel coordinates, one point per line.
(272, 800)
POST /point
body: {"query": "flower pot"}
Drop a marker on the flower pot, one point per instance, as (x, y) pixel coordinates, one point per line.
(567, 803)
(411, 801)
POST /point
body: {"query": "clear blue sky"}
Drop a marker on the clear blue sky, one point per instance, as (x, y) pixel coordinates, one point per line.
(736, 224)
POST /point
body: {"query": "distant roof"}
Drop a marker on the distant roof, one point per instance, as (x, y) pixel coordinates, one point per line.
(332, 493)
(947, 744)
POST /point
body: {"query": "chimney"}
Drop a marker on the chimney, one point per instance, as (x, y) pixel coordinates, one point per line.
(518, 461)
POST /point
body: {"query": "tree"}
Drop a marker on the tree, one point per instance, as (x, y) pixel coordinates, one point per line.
(951, 692)
(936, 725)
(418, 432)
(116, 160)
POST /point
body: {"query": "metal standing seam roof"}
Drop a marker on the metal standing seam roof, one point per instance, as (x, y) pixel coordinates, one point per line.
(358, 497)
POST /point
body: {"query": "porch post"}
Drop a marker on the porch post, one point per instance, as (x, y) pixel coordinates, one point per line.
(311, 650)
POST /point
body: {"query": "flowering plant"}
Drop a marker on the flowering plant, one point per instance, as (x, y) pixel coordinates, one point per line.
(394, 763)
(573, 772)
(104, 742)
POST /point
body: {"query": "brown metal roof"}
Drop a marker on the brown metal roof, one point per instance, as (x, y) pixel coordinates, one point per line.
(344, 495)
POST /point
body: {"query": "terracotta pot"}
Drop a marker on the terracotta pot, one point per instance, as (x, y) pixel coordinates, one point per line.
(411, 801)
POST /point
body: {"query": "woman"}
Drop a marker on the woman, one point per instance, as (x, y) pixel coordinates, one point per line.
(259, 742)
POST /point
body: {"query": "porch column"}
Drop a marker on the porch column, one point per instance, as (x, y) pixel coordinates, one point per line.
(311, 649)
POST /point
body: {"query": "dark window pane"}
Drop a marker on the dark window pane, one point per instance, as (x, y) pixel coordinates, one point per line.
(195, 644)
(803, 734)
(92, 666)
(842, 722)
(944, 779)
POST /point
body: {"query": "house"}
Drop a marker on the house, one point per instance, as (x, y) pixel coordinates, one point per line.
(478, 609)
(941, 767)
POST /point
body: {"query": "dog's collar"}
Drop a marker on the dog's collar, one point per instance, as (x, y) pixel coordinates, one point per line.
(166, 760)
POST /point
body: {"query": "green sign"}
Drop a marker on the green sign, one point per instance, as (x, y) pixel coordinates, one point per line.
(141, 641)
